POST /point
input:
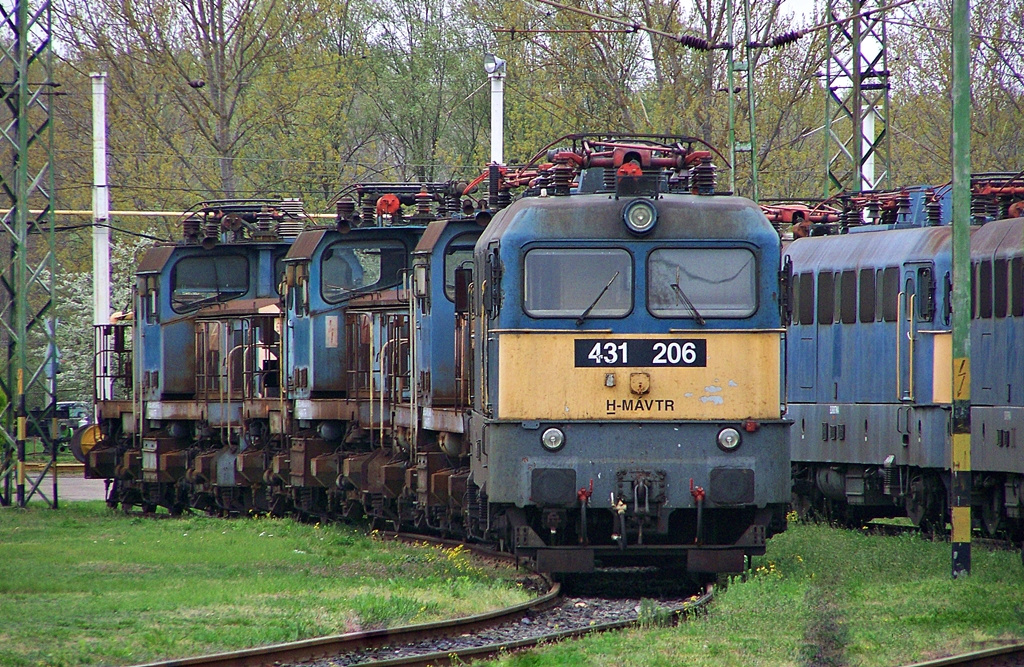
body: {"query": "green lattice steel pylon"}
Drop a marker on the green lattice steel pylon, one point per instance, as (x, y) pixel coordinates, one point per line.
(27, 326)
(740, 63)
(857, 147)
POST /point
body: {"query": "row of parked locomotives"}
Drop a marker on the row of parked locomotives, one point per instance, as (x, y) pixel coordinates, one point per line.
(585, 367)
(869, 363)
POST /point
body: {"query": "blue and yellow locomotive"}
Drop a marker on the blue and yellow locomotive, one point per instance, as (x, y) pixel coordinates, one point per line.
(627, 385)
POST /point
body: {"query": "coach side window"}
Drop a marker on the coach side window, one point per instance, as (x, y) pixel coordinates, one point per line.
(1002, 293)
(805, 298)
(925, 302)
(1017, 286)
(985, 289)
(826, 297)
(890, 293)
(848, 297)
(867, 295)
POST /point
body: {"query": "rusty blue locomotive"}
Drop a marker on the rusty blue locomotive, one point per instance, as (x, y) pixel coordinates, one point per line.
(584, 367)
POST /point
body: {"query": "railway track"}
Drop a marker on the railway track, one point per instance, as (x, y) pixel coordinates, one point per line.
(550, 617)
(356, 643)
(990, 543)
(1003, 656)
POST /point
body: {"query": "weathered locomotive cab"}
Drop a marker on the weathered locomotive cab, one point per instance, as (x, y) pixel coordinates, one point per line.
(348, 343)
(627, 376)
(199, 382)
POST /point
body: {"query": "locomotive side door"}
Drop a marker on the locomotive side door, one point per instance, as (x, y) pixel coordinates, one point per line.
(905, 335)
(916, 307)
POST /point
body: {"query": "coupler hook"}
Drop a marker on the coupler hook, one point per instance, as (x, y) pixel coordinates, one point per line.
(583, 495)
(698, 495)
(620, 508)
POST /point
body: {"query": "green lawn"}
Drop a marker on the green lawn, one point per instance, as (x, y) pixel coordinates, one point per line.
(87, 586)
(826, 597)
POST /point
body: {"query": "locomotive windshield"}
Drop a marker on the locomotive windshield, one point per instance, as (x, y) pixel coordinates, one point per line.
(200, 281)
(458, 255)
(720, 282)
(354, 267)
(566, 282)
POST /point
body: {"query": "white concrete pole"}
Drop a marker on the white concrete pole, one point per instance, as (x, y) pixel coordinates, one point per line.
(498, 117)
(100, 203)
(495, 68)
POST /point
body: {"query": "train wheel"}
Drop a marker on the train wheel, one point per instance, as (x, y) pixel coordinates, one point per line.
(802, 505)
(992, 511)
(923, 507)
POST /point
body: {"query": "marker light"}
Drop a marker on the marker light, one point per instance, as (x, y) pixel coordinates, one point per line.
(640, 216)
(553, 439)
(728, 439)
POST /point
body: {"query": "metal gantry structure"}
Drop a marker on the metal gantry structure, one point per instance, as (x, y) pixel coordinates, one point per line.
(740, 62)
(857, 155)
(28, 381)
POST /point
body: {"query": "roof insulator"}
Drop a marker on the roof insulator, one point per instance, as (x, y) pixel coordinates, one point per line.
(780, 40)
(694, 42)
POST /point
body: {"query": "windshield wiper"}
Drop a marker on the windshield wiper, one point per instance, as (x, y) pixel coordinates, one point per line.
(206, 300)
(579, 320)
(685, 300)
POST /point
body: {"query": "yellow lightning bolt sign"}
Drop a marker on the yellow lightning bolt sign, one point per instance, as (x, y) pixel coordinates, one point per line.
(961, 379)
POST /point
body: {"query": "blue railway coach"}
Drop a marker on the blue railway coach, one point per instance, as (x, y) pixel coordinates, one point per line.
(869, 362)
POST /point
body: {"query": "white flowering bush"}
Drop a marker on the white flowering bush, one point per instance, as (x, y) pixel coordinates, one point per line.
(74, 314)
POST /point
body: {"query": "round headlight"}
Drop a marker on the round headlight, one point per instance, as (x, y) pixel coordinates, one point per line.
(553, 439)
(640, 216)
(728, 439)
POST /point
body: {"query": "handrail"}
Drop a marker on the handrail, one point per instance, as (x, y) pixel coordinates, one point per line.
(911, 336)
(899, 333)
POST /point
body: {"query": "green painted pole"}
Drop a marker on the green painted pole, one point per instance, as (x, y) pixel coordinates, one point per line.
(960, 459)
(731, 82)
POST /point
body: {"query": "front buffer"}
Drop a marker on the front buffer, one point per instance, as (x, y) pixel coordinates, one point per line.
(629, 493)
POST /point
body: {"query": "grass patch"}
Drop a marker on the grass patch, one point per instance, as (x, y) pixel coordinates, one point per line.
(827, 597)
(84, 585)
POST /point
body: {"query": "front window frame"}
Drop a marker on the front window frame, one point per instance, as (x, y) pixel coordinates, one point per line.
(218, 261)
(462, 246)
(370, 246)
(597, 283)
(679, 310)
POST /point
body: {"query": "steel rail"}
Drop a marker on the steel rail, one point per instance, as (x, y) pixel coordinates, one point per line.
(1002, 656)
(325, 647)
(460, 656)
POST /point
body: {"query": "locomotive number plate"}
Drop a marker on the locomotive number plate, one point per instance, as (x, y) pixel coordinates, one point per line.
(625, 352)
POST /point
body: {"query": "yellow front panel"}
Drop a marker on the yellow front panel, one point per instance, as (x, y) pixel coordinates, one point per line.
(538, 380)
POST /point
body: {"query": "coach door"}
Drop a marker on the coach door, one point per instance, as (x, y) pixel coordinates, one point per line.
(916, 307)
